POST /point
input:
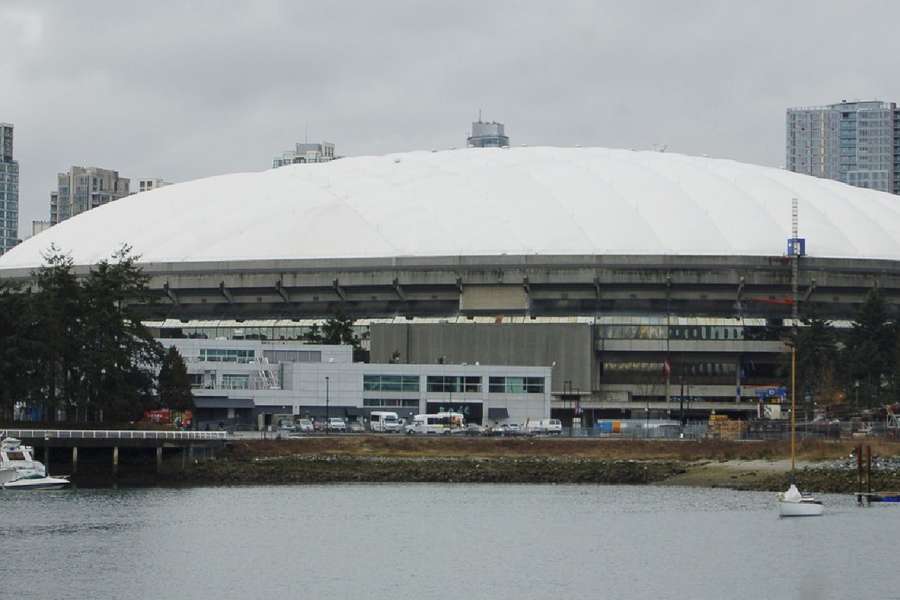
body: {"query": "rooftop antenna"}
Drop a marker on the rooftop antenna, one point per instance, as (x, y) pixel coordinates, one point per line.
(479, 115)
(306, 133)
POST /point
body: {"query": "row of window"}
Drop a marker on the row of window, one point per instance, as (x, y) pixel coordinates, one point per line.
(454, 383)
(226, 355)
(516, 385)
(391, 383)
(390, 402)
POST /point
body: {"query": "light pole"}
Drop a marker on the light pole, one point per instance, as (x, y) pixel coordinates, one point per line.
(327, 420)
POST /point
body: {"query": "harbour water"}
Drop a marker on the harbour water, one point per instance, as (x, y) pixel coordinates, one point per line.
(440, 541)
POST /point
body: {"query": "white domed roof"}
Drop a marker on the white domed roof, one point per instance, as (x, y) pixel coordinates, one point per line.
(536, 200)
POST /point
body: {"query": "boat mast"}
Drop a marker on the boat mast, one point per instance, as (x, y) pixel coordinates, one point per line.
(795, 314)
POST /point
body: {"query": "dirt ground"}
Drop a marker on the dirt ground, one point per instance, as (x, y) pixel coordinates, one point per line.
(610, 449)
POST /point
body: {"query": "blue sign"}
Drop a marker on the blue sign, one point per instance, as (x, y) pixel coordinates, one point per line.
(796, 246)
(775, 392)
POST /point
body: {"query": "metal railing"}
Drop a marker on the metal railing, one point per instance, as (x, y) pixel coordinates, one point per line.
(103, 434)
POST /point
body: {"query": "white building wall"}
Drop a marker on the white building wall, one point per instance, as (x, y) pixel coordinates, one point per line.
(338, 382)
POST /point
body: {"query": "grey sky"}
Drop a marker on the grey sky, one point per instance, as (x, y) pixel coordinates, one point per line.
(187, 89)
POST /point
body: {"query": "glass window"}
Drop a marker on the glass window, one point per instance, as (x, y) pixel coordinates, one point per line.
(391, 383)
(235, 382)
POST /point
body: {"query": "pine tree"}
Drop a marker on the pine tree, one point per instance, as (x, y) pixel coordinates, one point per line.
(174, 382)
(339, 330)
(869, 356)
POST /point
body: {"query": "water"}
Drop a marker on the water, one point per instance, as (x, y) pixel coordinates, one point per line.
(440, 541)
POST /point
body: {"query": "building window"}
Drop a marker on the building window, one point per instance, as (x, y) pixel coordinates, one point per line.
(235, 382)
(293, 356)
(391, 383)
(516, 385)
(223, 355)
(454, 384)
(391, 402)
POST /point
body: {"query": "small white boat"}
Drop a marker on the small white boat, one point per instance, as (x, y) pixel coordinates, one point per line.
(794, 504)
(19, 470)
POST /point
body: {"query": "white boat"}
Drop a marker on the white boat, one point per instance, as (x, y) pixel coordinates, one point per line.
(19, 470)
(794, 504)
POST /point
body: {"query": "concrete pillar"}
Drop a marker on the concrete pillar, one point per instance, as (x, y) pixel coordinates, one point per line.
(191, 453)
(74, 459)
(115, 460)
(737, 380)
(158, 459)
(47, 457)
(183, 459)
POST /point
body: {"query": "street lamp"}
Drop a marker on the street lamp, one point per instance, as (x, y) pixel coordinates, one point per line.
(327, 420)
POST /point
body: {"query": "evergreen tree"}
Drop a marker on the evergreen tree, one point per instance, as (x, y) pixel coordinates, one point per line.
(119, 355)
(314, 335)
(339, 330)
(816, 344)
(174, 383)
(869, 356)
(58, 312)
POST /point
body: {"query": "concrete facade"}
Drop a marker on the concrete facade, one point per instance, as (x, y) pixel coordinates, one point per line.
(151, 183)
(854, 142)
(237, 381)
(82, 188)
(487, 135)
(305, 153)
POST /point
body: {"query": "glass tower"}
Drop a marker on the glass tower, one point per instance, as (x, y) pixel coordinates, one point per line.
(9, 190)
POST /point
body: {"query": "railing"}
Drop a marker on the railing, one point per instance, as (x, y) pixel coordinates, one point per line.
(102, 434)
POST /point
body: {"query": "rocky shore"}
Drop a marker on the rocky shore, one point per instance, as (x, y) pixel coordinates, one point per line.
(824, 467)
(336, 468)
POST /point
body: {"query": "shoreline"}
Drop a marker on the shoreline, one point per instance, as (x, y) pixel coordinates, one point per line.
(379, 459)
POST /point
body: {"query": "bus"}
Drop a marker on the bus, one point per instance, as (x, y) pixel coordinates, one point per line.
(384, 422)
(440, 423)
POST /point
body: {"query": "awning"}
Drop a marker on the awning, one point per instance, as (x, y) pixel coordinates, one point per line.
(496, 414)
(222, 402)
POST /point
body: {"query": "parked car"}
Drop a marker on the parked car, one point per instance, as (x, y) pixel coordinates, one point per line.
(508, 429)
(286, 427)
(544, 426)
(337, 424)
(475, 429)
(319, 425)
(356, 427)
(305, 426)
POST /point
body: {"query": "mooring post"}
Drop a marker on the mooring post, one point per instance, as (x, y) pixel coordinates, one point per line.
(115, 464)
(74, 459)
(158, 459)
(869, 469)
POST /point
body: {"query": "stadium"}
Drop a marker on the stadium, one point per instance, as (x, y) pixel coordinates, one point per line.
(651, 282)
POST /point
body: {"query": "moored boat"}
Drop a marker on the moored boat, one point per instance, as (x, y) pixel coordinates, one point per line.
(19, 470)
(794, 504)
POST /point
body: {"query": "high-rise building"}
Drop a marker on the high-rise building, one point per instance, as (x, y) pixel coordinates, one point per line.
(305, 153)
(487, 135)
(83, 188)
(9, 190)
(145, 185)
(854, 142)
(39, 226)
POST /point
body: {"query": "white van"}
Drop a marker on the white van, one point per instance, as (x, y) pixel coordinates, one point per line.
(440, 423)
(548, 426)
(385, 422)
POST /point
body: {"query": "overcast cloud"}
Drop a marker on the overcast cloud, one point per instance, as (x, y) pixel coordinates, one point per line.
(187, 89)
